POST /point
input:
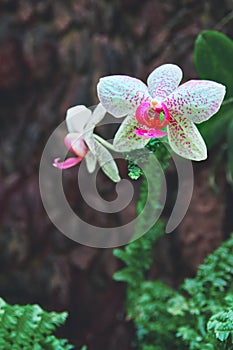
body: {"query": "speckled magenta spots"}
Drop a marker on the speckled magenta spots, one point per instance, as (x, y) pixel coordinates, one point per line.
(185, 139)
(121, 95)
(126, 139)
(194, 101)
(164, 80)
(197, 100)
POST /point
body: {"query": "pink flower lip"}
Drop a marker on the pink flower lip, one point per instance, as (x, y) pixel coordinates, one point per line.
(151, 133)
(75, 144)
(148, 114)
(66, 164)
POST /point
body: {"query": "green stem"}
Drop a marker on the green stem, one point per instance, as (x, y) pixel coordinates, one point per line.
(105, 143)
(224, 21)
(227, 101)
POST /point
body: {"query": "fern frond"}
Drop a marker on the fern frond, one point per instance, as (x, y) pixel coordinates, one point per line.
(221, 324)
(29, 327)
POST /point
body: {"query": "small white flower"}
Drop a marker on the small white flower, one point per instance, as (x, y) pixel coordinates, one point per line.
(81, 141)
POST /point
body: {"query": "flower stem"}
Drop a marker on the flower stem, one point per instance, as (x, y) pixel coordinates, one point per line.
(105, 143)
(228, 101)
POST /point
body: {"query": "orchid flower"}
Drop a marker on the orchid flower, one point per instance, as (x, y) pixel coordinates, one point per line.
(85, 144)
(161, 108)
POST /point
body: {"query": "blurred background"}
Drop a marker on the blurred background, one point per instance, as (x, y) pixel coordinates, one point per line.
(52, 54)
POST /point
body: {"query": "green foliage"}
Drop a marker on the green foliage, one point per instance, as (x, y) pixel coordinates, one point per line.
(153, 322)
(139, 158)
(138, 257)
(230, 150)
(29, 327)
(154, 161)
(213, 54)
(208, 296)
(214, 130)
(134, 171)
(213, 60)
(198, 317)
(222, 325)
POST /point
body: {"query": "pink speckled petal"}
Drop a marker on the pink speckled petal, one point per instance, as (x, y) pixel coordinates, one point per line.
(164, 80)
(126, 139)
(198, 100)
(90, 160)
(76, 144)
(151, 133)
(77, 117)
(107, 163)
(68, 163)
(185, 139)
(121, 95)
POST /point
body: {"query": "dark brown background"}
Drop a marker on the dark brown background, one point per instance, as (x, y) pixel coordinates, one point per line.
(52, 54)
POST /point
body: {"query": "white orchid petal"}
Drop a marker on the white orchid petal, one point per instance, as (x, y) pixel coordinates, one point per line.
(77, 117)
(198, 100)
(121, 95)
(107, 163)
(164, 80)
(97, 115)
(91, 160)
(125, 139)
(185, 139)
(89, 139)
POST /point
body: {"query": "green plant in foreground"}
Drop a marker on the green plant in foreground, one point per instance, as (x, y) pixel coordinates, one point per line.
(29, 327)
(198, 317)
(209, 296)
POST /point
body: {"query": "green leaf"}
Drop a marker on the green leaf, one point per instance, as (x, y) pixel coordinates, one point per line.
(30, 327)
(134, 171)
(221, 324)
(213, 54)
(177, 305)
(230, 151)
(214, 129)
